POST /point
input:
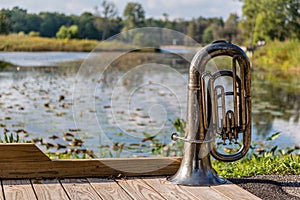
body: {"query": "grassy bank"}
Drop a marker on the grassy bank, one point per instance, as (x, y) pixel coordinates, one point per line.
(279, 58)
(27, 43)
(262, 159)
(260, 164)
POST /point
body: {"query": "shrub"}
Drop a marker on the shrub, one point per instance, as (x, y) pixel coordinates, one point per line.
(67, 32)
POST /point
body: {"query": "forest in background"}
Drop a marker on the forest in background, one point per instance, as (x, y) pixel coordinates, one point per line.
(261, 21)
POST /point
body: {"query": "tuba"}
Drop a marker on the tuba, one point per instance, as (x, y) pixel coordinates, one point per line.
(215, 112)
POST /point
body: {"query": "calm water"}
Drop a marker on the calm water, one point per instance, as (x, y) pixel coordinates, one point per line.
(116, 105)
(30, 59)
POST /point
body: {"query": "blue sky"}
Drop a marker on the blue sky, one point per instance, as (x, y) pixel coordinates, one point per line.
(154, 8)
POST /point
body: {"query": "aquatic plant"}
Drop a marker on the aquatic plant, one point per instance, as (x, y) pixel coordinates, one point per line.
(261, 159)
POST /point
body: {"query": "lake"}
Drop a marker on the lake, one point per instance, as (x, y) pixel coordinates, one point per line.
(126, 110)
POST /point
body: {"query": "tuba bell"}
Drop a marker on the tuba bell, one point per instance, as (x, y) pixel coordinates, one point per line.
(215, 112)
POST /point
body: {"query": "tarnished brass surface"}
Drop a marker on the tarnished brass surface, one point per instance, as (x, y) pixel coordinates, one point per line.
(209, 116)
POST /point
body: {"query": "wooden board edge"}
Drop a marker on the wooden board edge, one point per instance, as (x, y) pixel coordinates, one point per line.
(37, 166)
(25, 152)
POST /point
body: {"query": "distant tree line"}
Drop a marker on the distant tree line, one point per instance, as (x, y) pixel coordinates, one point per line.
(262, 20)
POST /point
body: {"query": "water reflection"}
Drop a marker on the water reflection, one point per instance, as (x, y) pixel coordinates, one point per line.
(30, 59)
(137, 94)
(129, 100)
(276, 107)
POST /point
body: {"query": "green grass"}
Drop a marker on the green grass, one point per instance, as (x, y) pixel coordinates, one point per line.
(272, 161)
(266, 163)
(263, 158)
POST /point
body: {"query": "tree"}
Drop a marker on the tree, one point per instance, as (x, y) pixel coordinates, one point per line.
(133, 16)
(67, 32)
(17, 19)
(4, 25)
(51, 22)
(270, 20)
(73, 31)
(33, 23)
(86, 26)
(109, 11)
(208, 34)
(293, 16)
(230, 29)
(250, 11)
(191, 29)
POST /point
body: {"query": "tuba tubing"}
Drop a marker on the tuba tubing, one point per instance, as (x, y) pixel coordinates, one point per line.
(203, 115)
(197, 68)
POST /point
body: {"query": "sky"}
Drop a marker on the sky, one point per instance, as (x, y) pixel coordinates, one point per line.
(153, 8)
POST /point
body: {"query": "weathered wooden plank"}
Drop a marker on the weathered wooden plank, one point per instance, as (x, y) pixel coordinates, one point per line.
(18, 189)
(79, 189)
(168, 190)
(204, 192)
(233, 191)
(93, 188)
(26, 152)
(47, 189)
(108, 189)
(138, 189)
(89, 168)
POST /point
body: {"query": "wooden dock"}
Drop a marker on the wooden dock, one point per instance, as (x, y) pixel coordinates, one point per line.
(133, 188)
(27, 173)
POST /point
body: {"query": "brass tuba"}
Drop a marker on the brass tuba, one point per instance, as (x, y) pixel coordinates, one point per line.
(215, 112)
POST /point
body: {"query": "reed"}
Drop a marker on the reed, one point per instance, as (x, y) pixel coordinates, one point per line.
(15, 42)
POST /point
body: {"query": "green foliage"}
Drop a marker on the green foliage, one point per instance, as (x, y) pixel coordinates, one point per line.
(173, 148)
(134, 16)
(10, 138)
(230, 30)
(17, 19)
(109, 11)
(273, 136)
(51, 22)
(279, 58)
(4, 24)
(33, 34)
(270, 20)
(260, 164)
(208, 34)
(67, 32)
(86, 26)
(4, 64)
(21, 33)
(146, 39)
(259, 160)
(266, 20)
(63, 33)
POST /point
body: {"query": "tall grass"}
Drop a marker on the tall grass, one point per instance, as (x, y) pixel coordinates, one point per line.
(279, 58)
(27, 43)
